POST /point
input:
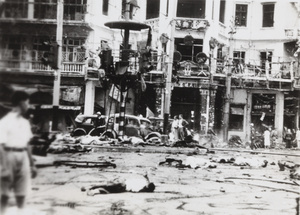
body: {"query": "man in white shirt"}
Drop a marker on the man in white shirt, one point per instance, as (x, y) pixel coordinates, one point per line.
(17, 162)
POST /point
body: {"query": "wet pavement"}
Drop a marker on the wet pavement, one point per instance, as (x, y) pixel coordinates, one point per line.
(222, 189)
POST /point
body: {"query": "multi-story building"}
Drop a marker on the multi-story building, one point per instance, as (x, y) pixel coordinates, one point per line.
(28, 25)
(248, 40)
(213, 38)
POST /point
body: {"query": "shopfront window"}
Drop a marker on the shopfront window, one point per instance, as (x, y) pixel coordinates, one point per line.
(263, 111)
(236, 118)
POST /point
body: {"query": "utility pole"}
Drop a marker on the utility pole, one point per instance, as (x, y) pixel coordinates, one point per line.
(170, 53)
(228, 91)
(56, 84)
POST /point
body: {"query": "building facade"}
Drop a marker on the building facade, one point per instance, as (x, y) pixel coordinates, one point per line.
(247, 40)
(234, 62)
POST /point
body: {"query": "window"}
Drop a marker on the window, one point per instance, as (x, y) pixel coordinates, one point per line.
(45, 9)
(38, 47)
(241, 15)
(131, 11)
(191, 8)
(264, 56)
(268, 15)
(236, 118)
(72, 50)
(15, 46)
(238, 57)
(222, 11)
(105, 7)
(15, 9)
(188, 52)
(74, 9)
(152, 9)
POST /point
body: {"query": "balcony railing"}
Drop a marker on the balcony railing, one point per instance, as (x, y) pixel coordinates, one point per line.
(73, 10)
(278, 75)
(31, 61)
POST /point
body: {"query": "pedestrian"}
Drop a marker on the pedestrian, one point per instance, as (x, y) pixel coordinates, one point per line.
(175, 128)
(274, 137)
(297, 139)
(288, 138)
(100, 120)
(211, 134)
(252, 136)
(267, 138)
(14, 145)
(182, 123)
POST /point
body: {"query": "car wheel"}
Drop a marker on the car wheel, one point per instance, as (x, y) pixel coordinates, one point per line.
(78, 133)
(110, 134)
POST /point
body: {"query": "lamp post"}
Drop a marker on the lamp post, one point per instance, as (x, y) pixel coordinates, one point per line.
(122, 78)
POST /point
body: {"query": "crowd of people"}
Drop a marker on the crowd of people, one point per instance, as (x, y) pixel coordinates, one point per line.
(270, 137)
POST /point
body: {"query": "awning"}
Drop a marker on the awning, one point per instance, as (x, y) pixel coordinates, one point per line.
(237, 111)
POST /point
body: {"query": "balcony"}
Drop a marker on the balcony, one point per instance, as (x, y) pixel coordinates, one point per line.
(191, 24)
(278, 76)
(43, 10)
(30, 61)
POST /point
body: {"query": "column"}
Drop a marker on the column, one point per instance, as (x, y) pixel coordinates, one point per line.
(204, 94)
(248, 116)
(279, 114)
(30, 11)
(212, 100)
(89, 98)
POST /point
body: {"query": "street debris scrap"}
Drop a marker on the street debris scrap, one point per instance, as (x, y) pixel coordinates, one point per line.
(85, 164)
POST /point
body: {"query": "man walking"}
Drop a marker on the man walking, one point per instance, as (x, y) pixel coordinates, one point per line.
(17, 162)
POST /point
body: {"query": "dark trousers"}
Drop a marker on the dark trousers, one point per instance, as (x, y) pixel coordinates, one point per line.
(181, 133)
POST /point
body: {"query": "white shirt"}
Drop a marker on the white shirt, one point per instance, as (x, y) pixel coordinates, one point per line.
(15, 130)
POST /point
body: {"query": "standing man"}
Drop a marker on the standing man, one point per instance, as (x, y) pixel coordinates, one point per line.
(14, 145)
(182, 123)
(267, 138)
(175, 128)
(288, 138)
